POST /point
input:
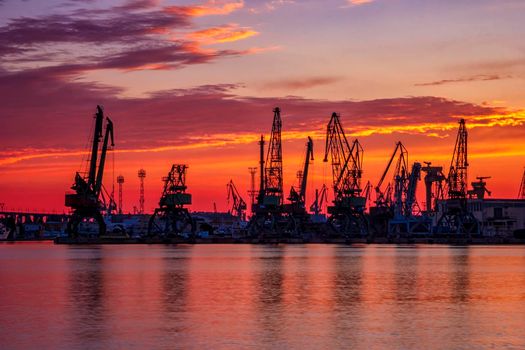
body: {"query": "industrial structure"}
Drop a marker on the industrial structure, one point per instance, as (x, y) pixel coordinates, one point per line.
(272, 218)
(237, 205)
(347, 214)
(120, 181)
(172, 218)
(295, 210)
(90, 200)
(434, 179)
(454, 210)
(396, 212)
(456, 217)
(252, 192)
(268, 211)
(142, 176)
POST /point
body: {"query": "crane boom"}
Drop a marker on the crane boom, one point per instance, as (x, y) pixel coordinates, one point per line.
(383, 197)
(309, 157)
(100, 173)
(97, 135)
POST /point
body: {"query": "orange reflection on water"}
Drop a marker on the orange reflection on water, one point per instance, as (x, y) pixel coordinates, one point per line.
(275, 296)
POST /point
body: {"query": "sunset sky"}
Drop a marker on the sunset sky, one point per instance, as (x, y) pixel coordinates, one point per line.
(195, 82)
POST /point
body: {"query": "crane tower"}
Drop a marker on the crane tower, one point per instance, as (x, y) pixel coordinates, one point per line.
(120, 181)
(142, 176)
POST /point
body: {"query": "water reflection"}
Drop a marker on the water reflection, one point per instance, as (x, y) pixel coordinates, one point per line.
(460, 274)
(347, 287)
(87, 296)
(240, 296)
(173, 296)
(270, 293)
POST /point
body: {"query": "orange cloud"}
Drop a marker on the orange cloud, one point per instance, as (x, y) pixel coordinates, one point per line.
(212, 7)
(358, 2)
(223, 34)
(214, 140)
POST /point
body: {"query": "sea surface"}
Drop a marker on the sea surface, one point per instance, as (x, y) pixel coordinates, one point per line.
(261, 297)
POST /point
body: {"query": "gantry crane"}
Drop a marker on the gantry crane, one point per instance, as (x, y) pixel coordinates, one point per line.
(89, 200)
(237, 204)
(456, 218)
(347, 213)
(172, 218)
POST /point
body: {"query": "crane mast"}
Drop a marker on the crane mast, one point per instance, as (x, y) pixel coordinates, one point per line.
(273, 169)
(267, 218)
(457, 175)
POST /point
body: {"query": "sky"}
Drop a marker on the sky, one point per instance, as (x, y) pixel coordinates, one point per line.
(195, 82)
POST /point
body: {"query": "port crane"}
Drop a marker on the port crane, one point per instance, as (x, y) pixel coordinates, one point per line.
(479, 188)
(456, 217)
(434, 179)
(89, 200)
(172, 218)
(393, 191)
(297, 198)
(238, 205)
(407, 216)
(347, 213)
(268, 211)
(321, 197)
(295, 210)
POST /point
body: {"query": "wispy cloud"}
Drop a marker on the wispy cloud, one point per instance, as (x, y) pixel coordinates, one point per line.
(480, 77)
(210, 8)
(137, 35)
(270, 6)
(358, 2)
(301, 83)
(222, 34)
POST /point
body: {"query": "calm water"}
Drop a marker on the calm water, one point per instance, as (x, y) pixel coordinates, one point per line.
(241, 296)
